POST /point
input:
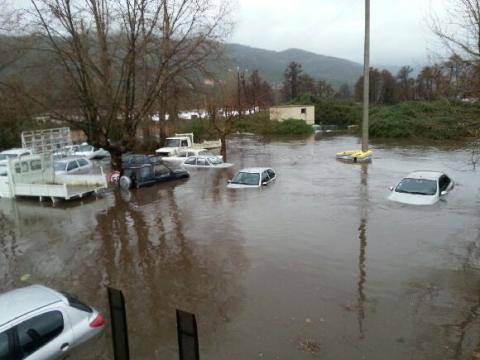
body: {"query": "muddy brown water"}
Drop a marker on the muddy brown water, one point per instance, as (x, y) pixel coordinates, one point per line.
(317, 265)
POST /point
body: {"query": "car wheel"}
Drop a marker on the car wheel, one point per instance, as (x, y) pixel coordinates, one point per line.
(125, 182)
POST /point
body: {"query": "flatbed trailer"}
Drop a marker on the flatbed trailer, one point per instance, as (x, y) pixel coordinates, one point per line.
(33, 176)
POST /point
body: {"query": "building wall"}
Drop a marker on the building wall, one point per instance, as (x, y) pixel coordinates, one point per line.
(281, 113)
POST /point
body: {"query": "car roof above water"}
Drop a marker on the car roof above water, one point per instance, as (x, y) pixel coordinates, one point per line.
(425, 174)
(255, 170)
(18, 302)
(15, 151)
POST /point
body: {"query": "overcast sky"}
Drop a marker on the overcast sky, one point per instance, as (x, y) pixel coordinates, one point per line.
(400, 32)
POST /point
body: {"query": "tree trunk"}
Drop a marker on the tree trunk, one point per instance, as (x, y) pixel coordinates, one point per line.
(223, 148)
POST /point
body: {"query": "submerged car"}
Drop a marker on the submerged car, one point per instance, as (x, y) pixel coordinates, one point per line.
(88, 151)
(422, 188)
(71, 165)
(13, 153)
(138, 175)
(39, 323)
(252, 178)
(206, 161)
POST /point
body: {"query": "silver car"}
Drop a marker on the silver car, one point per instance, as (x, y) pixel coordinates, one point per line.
(40, 323)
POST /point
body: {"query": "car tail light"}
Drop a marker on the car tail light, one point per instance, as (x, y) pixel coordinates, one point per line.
(99, 321)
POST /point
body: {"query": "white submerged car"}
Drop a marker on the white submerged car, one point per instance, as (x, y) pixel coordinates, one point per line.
(88, 151)
(71, 165)
(422, 188)
(206, 162)
(252, 178)
(39, 323)
(13, 153)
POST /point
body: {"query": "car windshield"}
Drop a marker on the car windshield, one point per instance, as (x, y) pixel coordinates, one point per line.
(3, 170)
(417, 186)
(244, 178)
(173, 143)
(215, 160)
(59, 166)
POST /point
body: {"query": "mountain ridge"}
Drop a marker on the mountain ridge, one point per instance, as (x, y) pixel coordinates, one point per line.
(271, 64)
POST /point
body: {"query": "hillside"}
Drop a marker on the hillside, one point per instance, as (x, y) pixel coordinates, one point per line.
(272, 64)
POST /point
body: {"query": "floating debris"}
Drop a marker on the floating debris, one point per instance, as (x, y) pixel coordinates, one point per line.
(25, 277)
(308, 345)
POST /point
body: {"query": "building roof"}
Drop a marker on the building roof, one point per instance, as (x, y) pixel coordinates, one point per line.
(291, 106)
(18, 302)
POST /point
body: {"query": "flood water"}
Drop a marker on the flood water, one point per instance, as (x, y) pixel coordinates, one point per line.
(318, 265)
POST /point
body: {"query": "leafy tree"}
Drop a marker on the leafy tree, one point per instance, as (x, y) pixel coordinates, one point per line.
(291, 80)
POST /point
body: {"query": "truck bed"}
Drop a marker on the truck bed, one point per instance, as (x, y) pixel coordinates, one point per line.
(56, 191)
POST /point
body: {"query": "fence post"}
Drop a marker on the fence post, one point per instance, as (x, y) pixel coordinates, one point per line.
(118, 316)
(187, 336)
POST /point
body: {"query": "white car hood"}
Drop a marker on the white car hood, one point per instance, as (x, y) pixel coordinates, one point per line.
(413, 199)
(241, 186)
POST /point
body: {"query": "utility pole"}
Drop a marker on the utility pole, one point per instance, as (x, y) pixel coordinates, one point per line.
(366, 78)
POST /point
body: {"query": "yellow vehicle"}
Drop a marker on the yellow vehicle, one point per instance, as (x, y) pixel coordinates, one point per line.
(356, 156)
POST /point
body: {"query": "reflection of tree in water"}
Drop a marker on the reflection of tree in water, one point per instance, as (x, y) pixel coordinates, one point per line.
(147, 252)
(8, 251)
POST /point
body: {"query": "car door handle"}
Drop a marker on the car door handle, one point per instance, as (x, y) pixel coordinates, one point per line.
(64, 346)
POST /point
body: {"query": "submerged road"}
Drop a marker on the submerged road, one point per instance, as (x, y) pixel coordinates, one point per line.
(318, 265)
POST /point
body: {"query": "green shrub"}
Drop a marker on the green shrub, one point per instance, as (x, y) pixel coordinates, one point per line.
(434, 120)
(292, 127)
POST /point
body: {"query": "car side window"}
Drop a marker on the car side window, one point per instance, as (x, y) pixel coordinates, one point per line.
(161, 170)
(191, 161)
(24, 166)
(201, 162)
(265, 177)
(72, 165)
(184, 143)
(35, 164)
(5, 351)
(443, 182)
(271, 173)
(38, 331)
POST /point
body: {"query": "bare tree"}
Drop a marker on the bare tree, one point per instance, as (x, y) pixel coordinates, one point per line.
(459, 29)
(119, 57)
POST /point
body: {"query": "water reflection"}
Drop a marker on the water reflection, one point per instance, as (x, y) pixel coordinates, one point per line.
(161, 265)
(362, 257)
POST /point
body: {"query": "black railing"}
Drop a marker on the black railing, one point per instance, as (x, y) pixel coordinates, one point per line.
(187, 332)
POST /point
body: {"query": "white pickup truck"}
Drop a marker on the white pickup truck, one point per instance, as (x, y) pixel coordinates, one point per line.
(185, 141)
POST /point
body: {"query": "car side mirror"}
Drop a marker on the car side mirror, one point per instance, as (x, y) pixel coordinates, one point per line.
(229, 181)
(264, 183)
(443, 193)
(390, 188)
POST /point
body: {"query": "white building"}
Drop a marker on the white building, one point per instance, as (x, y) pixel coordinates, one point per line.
(298, 112)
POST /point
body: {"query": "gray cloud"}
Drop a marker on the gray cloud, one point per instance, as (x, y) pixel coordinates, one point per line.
(400, 32)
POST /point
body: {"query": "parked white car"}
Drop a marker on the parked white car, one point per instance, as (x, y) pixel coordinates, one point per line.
(422, 188)
(88, 151)
(71, 165)
(13, 153)
(252, 178)
(206, 161)
(39, 323)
